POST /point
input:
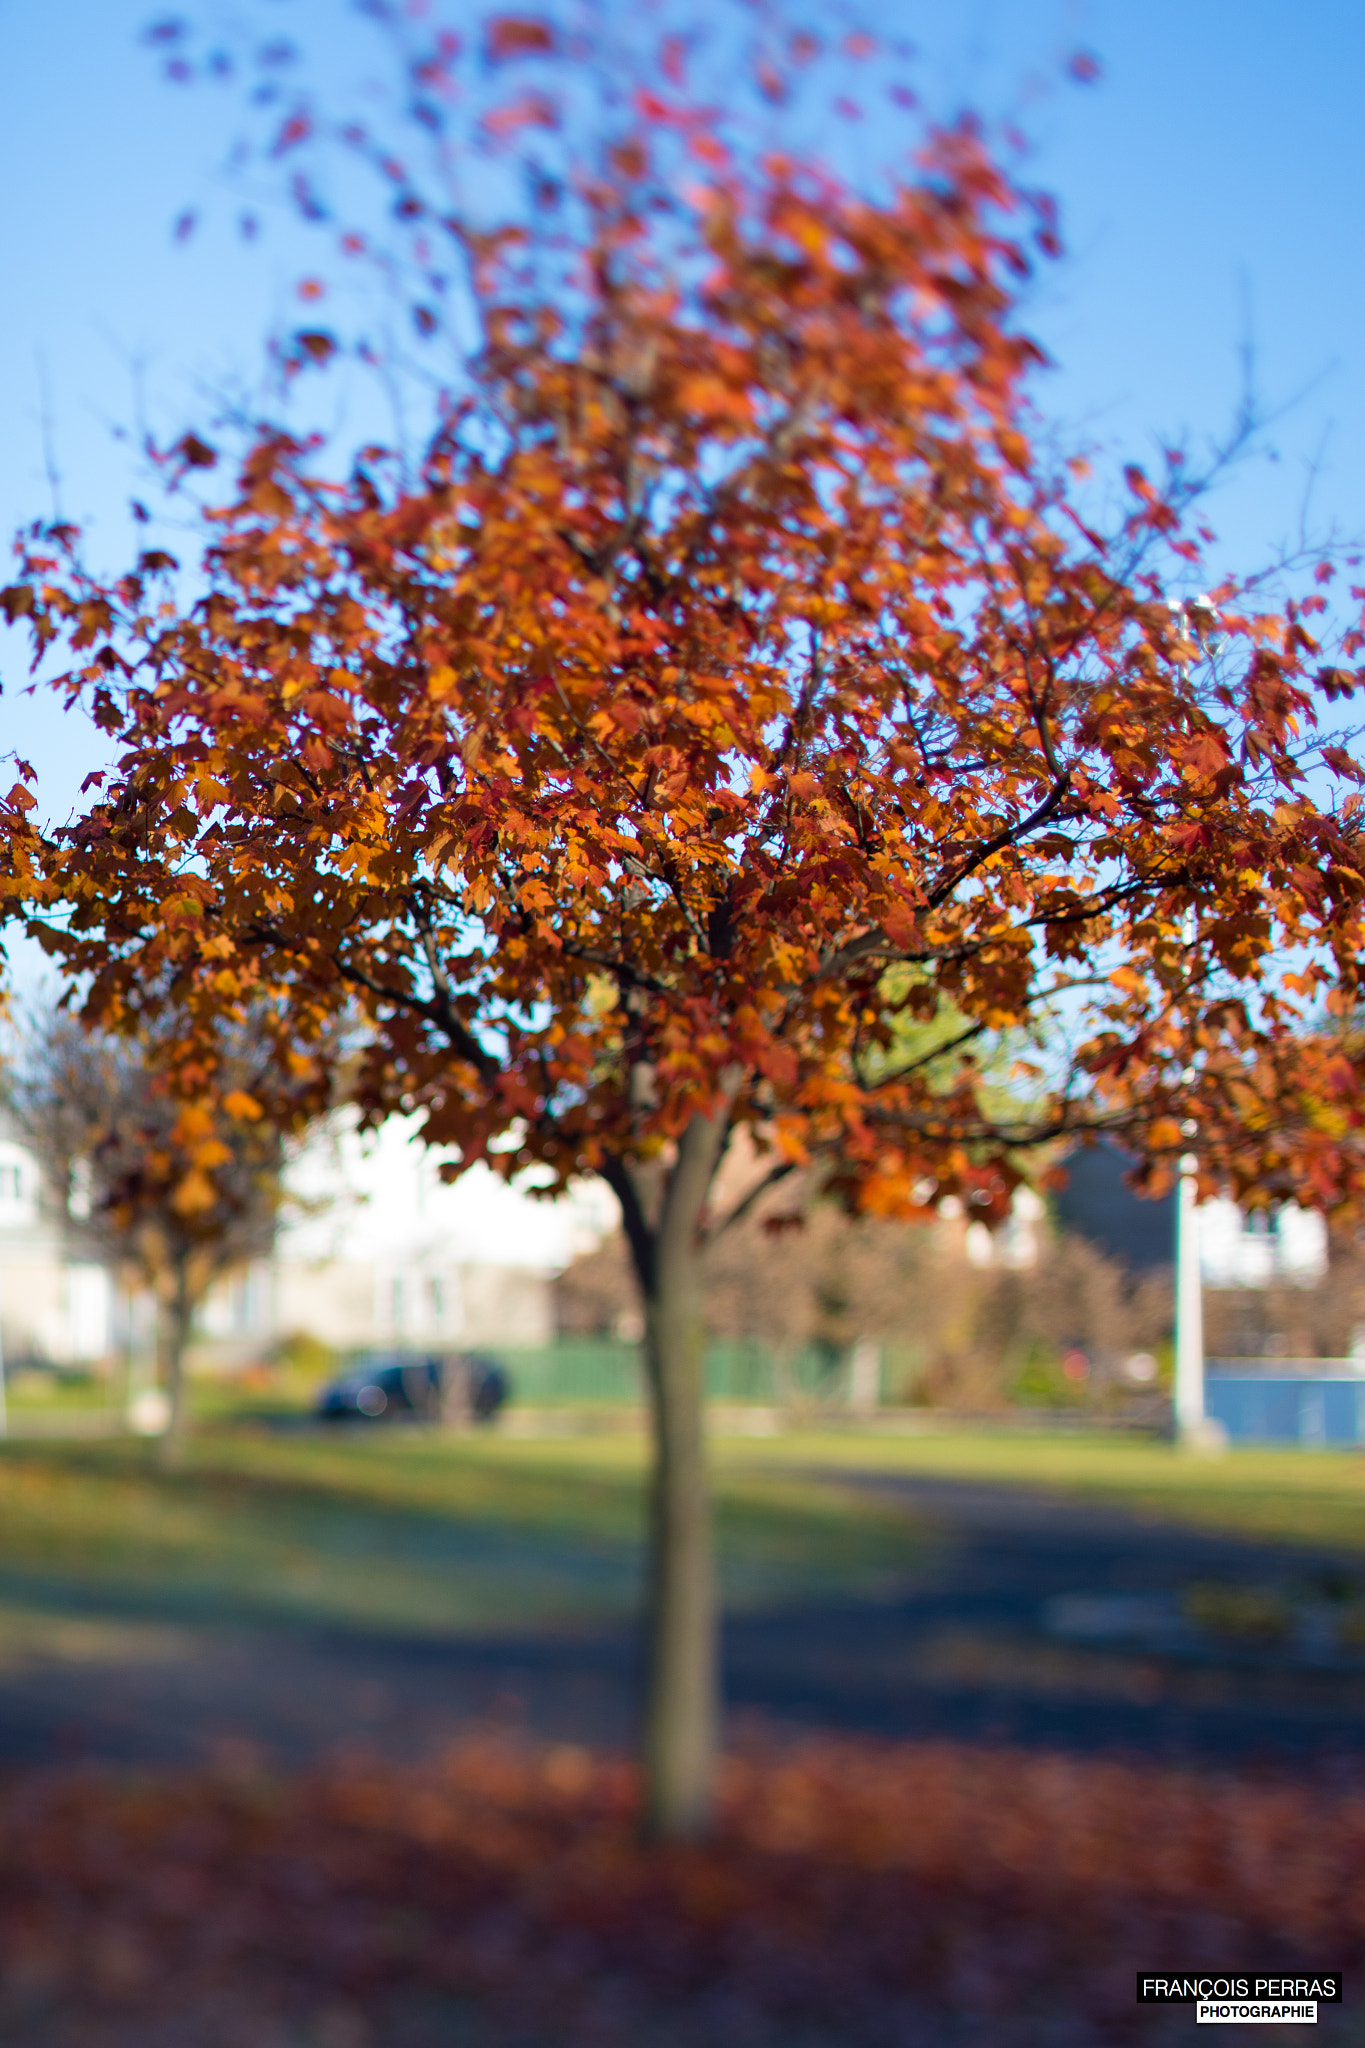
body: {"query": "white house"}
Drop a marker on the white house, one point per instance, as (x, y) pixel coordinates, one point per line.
(1256, 1248)
(55, 1304)
(1237, 1247)
(373, 1249)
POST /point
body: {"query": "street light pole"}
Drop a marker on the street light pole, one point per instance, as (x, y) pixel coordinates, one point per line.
(1190, 1420)
(1193, 1429)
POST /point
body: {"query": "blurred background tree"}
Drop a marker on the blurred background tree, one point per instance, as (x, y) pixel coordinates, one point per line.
(953, 1331)
(176, 1194)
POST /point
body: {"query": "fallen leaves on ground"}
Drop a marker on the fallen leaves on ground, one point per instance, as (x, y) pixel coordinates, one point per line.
(856, 1893)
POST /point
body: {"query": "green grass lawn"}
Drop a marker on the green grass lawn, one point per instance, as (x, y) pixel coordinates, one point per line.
(55, 1393)
(1311, 1497)
(406, 1530)
(401, 1530)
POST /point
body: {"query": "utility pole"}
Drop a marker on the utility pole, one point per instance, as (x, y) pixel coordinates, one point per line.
(1193, 1429)
(1190, 1420)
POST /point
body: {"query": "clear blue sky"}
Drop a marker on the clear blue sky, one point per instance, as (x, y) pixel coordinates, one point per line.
(1211, 187)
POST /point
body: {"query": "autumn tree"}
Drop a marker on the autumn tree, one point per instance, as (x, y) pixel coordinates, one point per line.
(799, 1275)
(955, 1329)
(734, 677)
(174, 1195)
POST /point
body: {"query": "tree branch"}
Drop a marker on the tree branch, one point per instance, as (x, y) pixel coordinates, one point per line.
(743, 1207)
(635, 1223)
(926, 1059)
(1009, 835)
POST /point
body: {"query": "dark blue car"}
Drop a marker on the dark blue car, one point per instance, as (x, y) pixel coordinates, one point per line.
(389, 1386)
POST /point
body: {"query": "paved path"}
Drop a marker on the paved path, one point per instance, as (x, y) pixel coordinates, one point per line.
(964, 1651)
(958, 1650)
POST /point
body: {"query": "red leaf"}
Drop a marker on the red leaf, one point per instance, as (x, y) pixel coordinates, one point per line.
(295, 130)
(513, 35)
(1338, 758)
(317, 346)
(194, 453)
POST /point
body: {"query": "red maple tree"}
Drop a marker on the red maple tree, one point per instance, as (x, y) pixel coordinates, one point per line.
(731, 728)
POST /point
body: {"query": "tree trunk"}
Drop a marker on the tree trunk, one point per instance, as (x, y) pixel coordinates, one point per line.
(681, 1709)
(173, 1334)
(453, 1409)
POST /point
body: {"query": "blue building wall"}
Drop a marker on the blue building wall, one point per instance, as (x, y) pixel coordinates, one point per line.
(1314, 1409)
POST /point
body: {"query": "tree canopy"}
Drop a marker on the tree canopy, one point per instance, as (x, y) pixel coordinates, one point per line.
(731, 682)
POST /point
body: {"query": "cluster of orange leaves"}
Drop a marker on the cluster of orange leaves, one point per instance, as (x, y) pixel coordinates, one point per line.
(856, 1892)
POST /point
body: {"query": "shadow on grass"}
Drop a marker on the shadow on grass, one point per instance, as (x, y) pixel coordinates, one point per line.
(98, 1528)
(401, 1533)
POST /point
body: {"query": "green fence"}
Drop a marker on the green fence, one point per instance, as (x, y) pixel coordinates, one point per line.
(608, 1371)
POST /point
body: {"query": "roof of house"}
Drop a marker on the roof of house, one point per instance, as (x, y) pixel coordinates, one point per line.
(1099, 1205)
